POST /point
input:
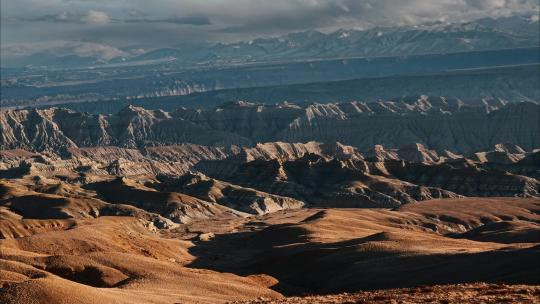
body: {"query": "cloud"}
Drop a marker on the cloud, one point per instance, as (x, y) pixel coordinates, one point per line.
(91, 17)
(62, 17)
(62, 48)
(96, 17)
(487, 4)
(97, 50)
(156, 23)
(187, 20)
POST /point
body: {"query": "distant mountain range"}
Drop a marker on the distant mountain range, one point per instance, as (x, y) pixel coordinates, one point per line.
(483, 34)
(511, 84)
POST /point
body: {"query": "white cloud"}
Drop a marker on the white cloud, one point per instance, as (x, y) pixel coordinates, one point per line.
(226, 20)
(96, 17)
(61, 48)
(487, 4)
(98, 50)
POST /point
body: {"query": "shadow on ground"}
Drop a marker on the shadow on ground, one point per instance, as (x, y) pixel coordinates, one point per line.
(302, 267)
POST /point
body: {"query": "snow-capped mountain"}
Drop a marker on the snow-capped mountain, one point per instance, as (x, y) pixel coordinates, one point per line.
(483, 34)
(433, 38)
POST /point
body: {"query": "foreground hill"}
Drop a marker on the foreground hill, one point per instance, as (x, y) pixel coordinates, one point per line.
(128, 260)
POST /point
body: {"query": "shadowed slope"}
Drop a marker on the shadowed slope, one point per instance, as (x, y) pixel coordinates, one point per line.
(347, 249)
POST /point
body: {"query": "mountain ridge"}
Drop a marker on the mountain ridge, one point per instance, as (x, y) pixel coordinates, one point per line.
(430, 38)
(439, 123)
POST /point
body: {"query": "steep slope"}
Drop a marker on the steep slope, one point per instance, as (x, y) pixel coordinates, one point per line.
(314, 173)
(58, 130)
(325, 182)
(383, 177)
(29, 207)
(32, 130)
(126, 259)
(178, 207)
(291, 151)
(341, 250)
(113, 260)
(226, 194)
(439, 123)
(464, 178)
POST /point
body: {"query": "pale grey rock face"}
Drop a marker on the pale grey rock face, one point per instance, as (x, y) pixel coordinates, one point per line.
(177, 207)
(256, 159)
(381, 177)
(233, 196)
(328, 182)
(439, 124)
(435, 123)
(276, 176)
(59, 130)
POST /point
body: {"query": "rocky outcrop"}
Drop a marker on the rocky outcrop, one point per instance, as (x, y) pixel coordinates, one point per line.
(178, 207)
(438, 123)
(510, 158)
(61, 201)
(418, 153)
(226, 194)
(465, 179)
(329, 182)
(276, 176)
(32, 130)
(291, 151)
(404, 175)
(441, 124)
(59, 130)
(110, 160)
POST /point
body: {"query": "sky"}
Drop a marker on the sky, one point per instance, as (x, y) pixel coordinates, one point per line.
(110, 27)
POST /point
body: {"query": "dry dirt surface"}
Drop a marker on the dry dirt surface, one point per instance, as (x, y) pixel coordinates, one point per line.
(444, 294)
(55, 250)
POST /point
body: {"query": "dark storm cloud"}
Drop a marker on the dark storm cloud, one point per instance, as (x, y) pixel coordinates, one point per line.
(80, 18)
(285, 16)
(61, 18)
(187, 20)
(92, 16)
(156, 23)
(292, 16)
